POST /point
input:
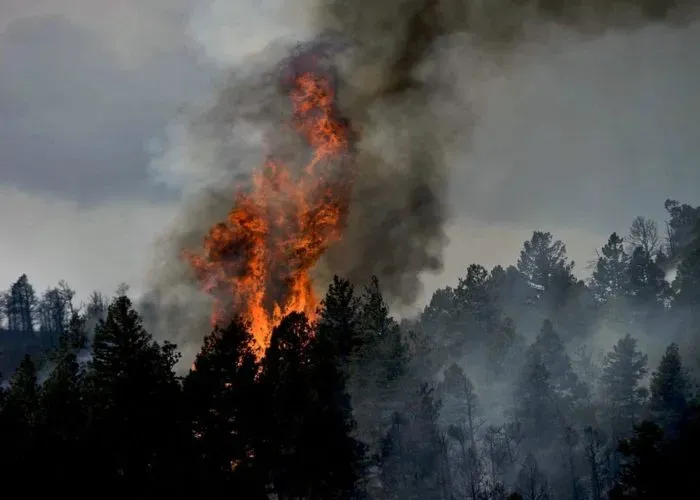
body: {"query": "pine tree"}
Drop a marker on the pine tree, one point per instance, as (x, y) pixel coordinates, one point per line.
(377, 365)
(21, 306)
(20, 422)
(286, 381)
(336, 457)
(338, 324)
(132, 394)
(610, 273)
(461, 408)
(64, 412)
(477, 314)
(670, 389)
(543, 261)
(411, 457)
(683, 219)
(379, 355)
(639, 476)
(646, 283)
(460, 403)
(688, 283)
(224, 410)
(537, 404)
(552, 353)
(624, 368)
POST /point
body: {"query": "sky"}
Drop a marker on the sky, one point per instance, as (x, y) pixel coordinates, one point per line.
(578, 138)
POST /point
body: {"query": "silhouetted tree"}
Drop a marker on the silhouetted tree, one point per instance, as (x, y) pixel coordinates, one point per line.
(132, 394)
(609, 278)
(644, 233)
(670, 389)
(536, 403)
(226, 415)
(20, 422)
(64, 411)
(680, 227)
(543, 261)
(335, 456)
(624, 398)
(21, 305)
(552, 353)
(646, 283)
(286, 377)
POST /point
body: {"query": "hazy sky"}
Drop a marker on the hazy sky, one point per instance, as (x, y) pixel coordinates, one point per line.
(579, 139)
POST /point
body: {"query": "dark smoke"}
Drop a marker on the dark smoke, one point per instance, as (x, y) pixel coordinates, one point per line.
(396, 62)
(396, 87)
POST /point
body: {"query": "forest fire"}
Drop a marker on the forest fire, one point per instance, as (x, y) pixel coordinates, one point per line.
(257, 263)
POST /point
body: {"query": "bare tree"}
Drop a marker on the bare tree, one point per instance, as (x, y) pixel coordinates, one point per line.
(532, 483)
(53, 312)
(67, 295)
(643, 233)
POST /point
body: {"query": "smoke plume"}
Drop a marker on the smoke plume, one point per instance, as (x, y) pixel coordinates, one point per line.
(397, 63)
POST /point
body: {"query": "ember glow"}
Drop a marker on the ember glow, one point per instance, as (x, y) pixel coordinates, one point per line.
(258, 262)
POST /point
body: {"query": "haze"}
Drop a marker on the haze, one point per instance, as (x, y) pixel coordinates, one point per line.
(578, 138)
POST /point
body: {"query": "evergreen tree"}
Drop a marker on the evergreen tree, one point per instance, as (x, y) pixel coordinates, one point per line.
(639, 475)
(646, 283)
(21, 306)
(380, 354)
(683, 219)
(658, 466)
(460, 403)
(537, 404)
(290, 439)
(623, 370)
(338, 324)
(543, 261)
(336, 457)
(132, 394)
(552, 353)
(670, 389)
(20, 422)
(64, 411)
(687, 283)
(477, 314)
(439, 315)
(501, 343)
(376, 366)
(225, 414)
(411, 465)
(610, 273)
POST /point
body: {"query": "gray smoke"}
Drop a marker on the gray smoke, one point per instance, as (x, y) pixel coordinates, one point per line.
(399, 63)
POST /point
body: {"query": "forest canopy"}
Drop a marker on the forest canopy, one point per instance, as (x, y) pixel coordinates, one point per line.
(518, 382)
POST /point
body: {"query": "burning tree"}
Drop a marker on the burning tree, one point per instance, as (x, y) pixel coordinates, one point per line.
(258, 262)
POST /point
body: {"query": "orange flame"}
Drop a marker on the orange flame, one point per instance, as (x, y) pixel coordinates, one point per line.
(257, 263)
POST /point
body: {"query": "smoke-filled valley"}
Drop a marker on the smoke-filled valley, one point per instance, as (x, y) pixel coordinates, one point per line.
(269, 356)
